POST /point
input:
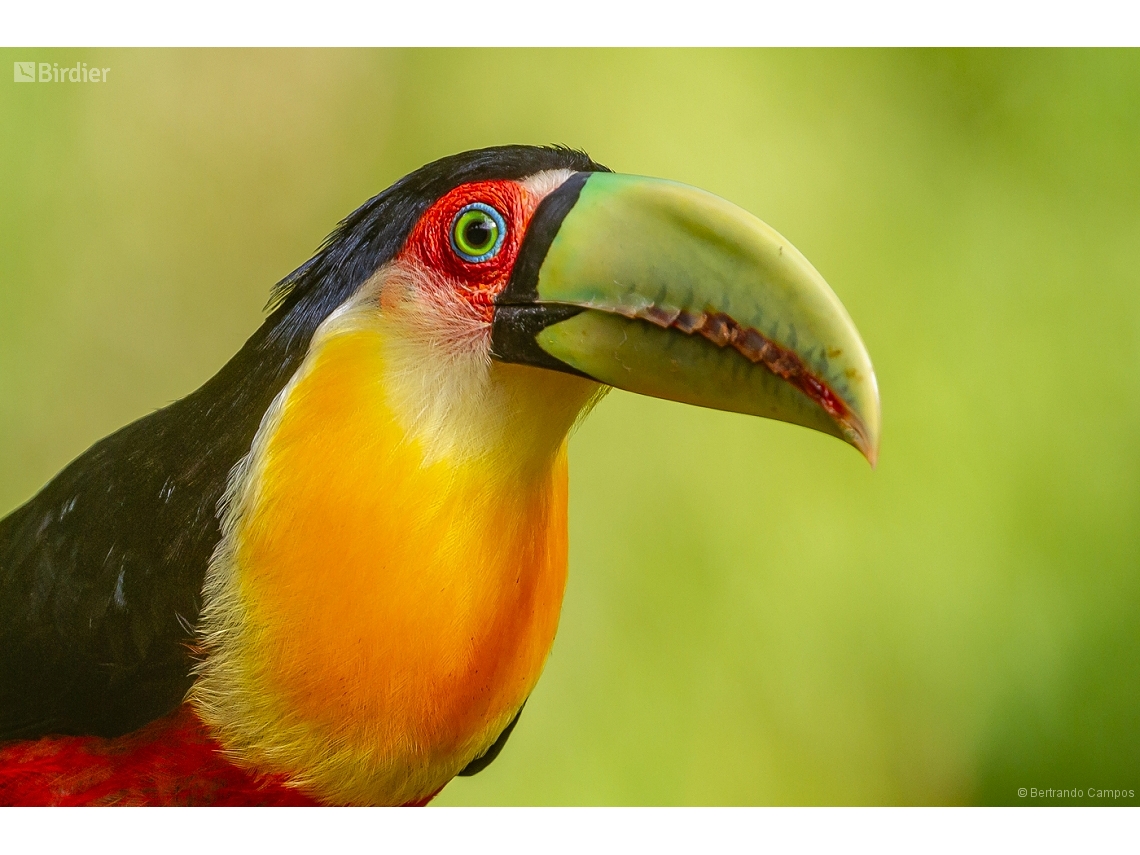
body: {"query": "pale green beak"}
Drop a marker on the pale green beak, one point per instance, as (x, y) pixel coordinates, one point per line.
(662, 289)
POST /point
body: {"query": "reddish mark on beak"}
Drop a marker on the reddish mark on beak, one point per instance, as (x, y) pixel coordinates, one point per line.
(724, 331)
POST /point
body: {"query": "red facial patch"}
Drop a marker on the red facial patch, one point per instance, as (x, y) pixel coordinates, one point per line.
(430, 243)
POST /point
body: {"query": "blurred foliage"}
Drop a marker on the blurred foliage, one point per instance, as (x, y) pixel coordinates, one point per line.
(753, 617)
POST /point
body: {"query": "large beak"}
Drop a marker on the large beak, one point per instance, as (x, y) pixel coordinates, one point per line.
(659, 288)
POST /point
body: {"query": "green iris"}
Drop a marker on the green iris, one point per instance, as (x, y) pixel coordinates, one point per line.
(477, 232)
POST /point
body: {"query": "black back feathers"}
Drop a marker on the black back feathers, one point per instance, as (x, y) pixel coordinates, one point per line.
(101, 572)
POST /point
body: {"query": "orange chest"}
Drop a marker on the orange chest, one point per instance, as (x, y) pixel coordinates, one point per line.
(395, 600)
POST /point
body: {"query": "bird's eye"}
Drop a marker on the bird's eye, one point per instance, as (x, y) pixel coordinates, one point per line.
(477, 232)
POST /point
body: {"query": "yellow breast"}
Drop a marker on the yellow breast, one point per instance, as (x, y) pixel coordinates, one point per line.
(395, 605)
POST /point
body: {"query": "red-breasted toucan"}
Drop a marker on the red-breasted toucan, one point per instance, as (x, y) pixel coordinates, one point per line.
(334, 572)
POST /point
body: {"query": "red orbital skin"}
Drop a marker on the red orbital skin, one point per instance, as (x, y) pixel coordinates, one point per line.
(171, 761)
(429, 244)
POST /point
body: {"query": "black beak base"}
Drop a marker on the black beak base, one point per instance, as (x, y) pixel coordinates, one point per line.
(519, 316)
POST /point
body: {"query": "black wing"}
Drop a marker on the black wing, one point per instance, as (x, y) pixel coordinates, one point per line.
(101, 573)
(488, 757)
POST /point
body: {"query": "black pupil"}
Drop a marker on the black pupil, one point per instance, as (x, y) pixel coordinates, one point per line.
(477, 233)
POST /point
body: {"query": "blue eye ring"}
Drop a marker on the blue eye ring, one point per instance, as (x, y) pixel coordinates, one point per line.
(483, 218)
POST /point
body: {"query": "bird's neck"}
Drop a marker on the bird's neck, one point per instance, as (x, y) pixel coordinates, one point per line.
(392, 565)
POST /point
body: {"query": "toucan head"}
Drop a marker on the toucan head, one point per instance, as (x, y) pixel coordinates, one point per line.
(542, 258)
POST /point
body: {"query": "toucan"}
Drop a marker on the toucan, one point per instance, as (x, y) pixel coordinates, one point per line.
(333, 574)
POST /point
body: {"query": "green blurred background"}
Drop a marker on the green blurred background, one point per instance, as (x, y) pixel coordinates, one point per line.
(753, 616)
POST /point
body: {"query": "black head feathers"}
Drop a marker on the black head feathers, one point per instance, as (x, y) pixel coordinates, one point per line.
(376, 231)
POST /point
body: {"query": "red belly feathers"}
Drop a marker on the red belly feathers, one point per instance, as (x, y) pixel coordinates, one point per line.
(171, 761)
